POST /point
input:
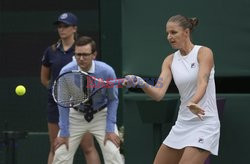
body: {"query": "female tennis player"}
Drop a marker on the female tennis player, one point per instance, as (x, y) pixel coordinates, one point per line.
(196, 132)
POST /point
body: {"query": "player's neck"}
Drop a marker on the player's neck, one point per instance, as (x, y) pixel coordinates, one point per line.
(187, 48)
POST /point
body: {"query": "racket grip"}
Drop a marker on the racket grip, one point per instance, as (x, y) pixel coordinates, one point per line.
(135, 79)
(117, 81)
(120, 81)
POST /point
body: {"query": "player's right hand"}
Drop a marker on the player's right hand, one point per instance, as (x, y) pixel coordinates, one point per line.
(132, 81)
(60, 141)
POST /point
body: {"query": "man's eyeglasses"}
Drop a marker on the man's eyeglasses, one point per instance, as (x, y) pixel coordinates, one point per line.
(79, 55)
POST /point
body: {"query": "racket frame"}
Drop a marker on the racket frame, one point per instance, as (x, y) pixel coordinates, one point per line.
(105, 84)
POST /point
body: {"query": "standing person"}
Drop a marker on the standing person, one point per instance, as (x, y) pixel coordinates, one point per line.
(54, 58)
(98, 116)
(197, 129)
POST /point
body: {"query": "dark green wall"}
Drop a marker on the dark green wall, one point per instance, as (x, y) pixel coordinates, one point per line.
(26, 112)
(224, 27)
(110, 40)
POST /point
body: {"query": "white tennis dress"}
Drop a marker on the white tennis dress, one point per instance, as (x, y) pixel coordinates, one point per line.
(189, 130)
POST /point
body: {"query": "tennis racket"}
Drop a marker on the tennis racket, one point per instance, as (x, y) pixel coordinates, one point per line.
(76, 87)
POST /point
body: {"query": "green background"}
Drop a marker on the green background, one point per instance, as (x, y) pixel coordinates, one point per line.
(131, 37)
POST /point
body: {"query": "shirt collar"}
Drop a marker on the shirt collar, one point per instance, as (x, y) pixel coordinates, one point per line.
(92, 68)
(59, 46)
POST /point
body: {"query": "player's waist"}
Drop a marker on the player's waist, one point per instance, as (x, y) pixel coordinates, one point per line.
(190, 119)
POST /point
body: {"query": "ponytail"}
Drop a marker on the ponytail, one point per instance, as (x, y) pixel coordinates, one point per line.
(194, 22)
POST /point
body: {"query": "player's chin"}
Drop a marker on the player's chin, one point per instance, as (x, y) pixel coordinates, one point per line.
(174, 46)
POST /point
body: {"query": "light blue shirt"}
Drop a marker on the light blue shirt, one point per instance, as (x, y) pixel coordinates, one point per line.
(107, 96)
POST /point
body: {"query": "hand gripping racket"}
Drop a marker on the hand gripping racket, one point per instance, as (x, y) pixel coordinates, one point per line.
(75, 87)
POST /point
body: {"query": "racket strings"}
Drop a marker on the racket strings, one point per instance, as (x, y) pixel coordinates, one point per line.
(71, 89)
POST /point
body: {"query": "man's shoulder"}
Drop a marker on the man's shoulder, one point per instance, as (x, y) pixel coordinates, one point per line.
(69, 67)
(102, 65)
(104, 69)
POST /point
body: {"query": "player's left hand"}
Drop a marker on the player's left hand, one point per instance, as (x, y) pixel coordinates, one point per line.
(196, 109)
(113, 138)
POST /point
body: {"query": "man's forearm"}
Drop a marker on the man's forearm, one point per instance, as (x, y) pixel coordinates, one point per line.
(64, 121)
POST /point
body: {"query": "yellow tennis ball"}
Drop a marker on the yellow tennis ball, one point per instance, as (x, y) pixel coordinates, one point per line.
(20, 90)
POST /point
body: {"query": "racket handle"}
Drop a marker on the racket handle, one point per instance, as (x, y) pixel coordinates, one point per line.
(120, 81)
(116, 81)
(135, 79)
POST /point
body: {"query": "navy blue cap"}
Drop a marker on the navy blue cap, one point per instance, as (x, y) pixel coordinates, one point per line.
(67, 18)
